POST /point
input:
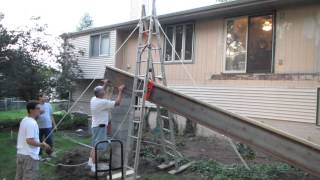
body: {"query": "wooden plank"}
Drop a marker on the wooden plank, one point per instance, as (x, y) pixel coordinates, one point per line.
(181, 168)
(118, 175)
(289, 148)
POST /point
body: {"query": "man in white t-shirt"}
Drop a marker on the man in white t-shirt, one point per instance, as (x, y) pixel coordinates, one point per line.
(28, 144)
(100, 108)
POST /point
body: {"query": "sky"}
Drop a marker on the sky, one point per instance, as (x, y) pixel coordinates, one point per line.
(64, 15)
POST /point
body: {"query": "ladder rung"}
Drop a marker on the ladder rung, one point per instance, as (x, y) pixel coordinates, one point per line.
(168, 142)
(155, 49)
(137, 121)
(139, 91)
(167, 130)
(157, 62)
(131, 168)
(134, 137)
(137, 106)
(172, 155)
(165, 117)
(143, 46)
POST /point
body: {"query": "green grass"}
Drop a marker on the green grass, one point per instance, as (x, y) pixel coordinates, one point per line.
(14, 115)
(8, 155)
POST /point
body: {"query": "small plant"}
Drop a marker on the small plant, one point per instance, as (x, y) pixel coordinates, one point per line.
(150, 153)
(246, 151)
(213, 170)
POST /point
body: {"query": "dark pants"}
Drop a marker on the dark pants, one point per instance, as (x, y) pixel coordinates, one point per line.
(43, 133)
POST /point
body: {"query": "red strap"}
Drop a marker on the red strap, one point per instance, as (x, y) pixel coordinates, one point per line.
(150, 86)
(145, 36)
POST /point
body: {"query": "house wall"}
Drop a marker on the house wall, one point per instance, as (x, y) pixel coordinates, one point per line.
(82, 104)
(298, 40)
(287, 94)
(93, 67)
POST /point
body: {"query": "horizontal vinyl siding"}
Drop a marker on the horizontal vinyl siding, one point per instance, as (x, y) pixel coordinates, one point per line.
(93, 67)
(269, 103)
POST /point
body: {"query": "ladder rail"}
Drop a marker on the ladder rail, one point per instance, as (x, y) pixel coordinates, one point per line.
(133, 97)
(134, 138)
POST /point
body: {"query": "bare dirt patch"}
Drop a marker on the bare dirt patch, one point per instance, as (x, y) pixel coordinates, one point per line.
(218, 149)
(76, 156)
(194, 148)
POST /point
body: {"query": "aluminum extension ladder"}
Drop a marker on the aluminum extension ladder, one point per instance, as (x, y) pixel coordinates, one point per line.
(145, 69)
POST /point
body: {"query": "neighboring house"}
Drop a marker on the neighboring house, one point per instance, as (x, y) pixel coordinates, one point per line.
(257, 58)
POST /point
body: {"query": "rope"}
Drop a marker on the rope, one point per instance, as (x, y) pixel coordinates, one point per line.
(86, 89)
(237, 152)
(66, 165)
(194, 84)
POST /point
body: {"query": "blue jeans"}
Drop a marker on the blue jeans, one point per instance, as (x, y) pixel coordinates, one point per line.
(43, 133)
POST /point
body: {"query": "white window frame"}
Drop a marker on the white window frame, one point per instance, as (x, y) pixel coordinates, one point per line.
(100, 35)
(173, 41)
(225, 47)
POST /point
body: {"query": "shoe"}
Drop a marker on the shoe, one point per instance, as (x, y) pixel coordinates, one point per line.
(90, 163)
(93, 169)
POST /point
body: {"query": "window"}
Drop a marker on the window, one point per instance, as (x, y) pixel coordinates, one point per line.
(100, 45)
(249, 44)
(181, 37)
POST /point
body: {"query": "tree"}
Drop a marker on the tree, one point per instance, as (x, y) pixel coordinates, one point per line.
(22, 73)
(70, 71)
(85, 22)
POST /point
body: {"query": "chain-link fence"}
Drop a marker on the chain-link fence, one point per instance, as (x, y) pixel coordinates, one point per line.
(12, 104)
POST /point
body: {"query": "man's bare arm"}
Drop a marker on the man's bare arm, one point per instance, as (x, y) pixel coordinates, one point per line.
(33, 142)
(106, 82)
(120, 95)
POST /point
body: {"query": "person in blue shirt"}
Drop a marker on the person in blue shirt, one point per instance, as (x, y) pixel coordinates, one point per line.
(45, 121)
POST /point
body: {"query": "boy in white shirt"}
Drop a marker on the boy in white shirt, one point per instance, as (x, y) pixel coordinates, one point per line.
(28, 144)
(100, 108)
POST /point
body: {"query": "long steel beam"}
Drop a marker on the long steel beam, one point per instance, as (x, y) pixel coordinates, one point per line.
(286, 147)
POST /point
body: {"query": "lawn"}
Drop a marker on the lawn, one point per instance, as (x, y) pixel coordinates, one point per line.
(13, 115)
(8, 154)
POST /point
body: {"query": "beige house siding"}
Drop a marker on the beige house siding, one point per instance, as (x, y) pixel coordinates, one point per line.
(297, 50)
(93, 67)
(298, 40)
(287, 94)
(264, 103)
(291, 97)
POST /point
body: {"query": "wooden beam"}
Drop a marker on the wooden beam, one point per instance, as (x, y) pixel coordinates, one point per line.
(286, 147)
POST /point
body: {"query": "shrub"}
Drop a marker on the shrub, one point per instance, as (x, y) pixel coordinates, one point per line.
(70, 121)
